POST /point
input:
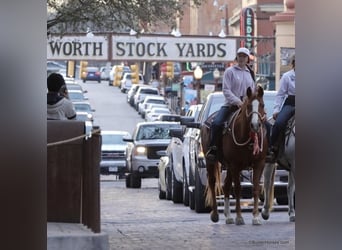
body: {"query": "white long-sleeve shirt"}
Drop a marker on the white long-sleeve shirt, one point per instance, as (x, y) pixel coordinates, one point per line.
(235, 83)
(287, 87)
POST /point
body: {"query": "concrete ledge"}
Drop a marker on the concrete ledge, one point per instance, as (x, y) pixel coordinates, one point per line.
(74, 236)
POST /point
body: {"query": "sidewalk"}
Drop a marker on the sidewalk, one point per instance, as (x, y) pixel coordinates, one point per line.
(73, 236)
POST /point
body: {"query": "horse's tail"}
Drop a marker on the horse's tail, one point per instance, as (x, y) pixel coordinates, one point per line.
(214, 177)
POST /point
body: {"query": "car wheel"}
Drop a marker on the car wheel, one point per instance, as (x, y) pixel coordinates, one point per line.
(128, 181)
(191, 194)
(185, 189)
(84, 81)
(200, 195)
(168, 181)
(135, 181)
(177, 190)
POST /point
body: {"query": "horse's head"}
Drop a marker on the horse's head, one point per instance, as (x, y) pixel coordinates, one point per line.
(254, 108)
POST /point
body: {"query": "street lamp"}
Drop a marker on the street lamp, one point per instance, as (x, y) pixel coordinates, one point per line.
(216, 74)
(198, 73)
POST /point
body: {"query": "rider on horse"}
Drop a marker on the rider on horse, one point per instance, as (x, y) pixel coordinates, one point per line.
(236, 80)
(283, 112)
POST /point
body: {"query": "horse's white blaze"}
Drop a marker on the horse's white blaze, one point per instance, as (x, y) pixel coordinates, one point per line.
(255, 117)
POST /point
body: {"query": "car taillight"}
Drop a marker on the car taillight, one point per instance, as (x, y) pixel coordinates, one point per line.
(97, 73)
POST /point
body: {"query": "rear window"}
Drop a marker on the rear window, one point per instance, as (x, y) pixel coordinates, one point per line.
(155, 101)
(92, 69)
(149, 91)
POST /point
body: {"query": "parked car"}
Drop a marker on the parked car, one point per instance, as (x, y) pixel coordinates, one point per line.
(84, 116)
(147, 144)
(105, 72)
(169, 117)
(92, 74)
(173, 174)
(154, 105)
(84, 107)
(126, 82)
(153, 99)
(75, 86)
(77, 95)
(113, 152)
(117, 68)
(142, 92)
(155, 112)
(131, 93)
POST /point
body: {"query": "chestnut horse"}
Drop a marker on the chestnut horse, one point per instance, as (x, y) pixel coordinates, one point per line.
(243, 146)
(287, 157)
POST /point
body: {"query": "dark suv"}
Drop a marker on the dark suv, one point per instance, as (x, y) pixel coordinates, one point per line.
(197, 178)
(198, 172)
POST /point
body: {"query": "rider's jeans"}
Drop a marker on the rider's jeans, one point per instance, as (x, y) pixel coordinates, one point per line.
(280, 123)
(218, 122)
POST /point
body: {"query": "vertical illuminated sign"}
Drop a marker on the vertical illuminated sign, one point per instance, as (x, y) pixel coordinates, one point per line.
(247, 28)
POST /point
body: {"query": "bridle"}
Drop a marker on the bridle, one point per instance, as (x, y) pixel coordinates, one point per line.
(253, 134)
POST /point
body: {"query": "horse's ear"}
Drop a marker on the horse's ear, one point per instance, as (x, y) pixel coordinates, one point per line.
(249, 92)
(260, 91)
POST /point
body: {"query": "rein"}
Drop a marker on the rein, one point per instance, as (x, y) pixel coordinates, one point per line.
(256, 144)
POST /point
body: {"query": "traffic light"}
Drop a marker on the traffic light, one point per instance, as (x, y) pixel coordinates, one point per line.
(70, 69)
(135, 73)
(83, 69)
(169, 69)
(118, 75)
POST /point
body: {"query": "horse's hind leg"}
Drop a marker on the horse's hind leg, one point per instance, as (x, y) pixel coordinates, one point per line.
(290, 194)
(211, 192)
(226, 189)
(269, 172)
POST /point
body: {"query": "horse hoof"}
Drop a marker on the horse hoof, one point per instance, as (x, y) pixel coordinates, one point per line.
(265, 215)
(292, 218)
(230, 221)
(256, 221)
(239, 221)
(214, 217)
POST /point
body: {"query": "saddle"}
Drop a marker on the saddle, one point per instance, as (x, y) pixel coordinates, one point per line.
(225, 128)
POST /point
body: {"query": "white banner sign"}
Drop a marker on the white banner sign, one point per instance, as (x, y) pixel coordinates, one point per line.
(143, 48)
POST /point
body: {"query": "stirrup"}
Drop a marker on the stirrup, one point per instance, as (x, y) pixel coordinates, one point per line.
(211, 154)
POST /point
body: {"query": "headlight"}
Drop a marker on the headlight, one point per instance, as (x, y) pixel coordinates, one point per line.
(140, 151)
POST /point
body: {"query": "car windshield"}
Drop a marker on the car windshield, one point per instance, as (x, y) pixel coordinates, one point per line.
(112, 139)
(155, 131)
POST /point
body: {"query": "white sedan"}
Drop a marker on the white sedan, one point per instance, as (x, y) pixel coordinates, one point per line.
(155, 112)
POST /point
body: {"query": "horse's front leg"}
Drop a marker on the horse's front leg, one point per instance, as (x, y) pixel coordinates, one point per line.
(237, 187)
(257, 171)
(227, 189)
(290, 195)
(269, 172)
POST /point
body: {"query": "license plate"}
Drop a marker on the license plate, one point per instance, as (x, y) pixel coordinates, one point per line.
(113, 169)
